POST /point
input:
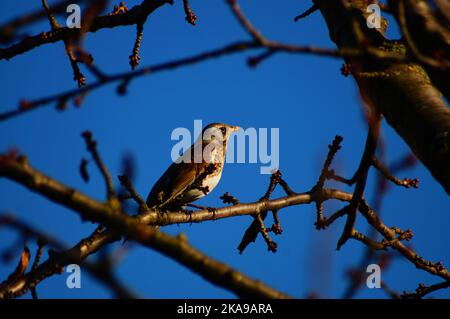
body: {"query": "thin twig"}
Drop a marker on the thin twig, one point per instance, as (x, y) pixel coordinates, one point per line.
(19, 271)
(308, 12)
(362, 172)
(9, 30)
(333, 148)
(423, 290)
(245, 23)
(134, 57)
(190, 15)
(136, 14)
(271, 245)
(257, 224)
(77, 75)
(92, 148)
(55, 262)
(37, 259)
(126, 183)
(254, 61)
(367, 241)
(406, 182)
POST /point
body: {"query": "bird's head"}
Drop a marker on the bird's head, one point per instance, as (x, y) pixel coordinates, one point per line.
(214, 141)
(218, 132)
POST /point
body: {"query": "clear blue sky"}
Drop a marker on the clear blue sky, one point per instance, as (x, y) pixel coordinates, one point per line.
(304, 96)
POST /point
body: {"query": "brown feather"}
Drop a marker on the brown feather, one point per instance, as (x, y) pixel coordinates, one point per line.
(174, 187)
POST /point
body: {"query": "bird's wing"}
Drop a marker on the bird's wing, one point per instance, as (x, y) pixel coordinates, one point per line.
(172, 183)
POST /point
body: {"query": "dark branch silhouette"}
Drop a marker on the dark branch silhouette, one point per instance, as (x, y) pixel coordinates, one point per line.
(403, 81)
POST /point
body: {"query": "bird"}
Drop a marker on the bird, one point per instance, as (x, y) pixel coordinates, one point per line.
(193, 175)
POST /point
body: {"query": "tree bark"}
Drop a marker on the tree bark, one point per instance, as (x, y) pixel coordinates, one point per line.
(401, 91)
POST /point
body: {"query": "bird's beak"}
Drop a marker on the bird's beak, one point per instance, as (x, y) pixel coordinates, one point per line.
(235, 128)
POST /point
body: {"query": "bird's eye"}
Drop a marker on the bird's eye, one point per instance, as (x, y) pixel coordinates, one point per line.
(223, 130)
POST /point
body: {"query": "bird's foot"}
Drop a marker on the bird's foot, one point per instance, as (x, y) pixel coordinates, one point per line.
(212, 210)
(209, 209)
(187, 212)
(162, 211)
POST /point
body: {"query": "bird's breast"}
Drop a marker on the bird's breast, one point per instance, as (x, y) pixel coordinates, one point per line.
(212, 180)
(208, 183)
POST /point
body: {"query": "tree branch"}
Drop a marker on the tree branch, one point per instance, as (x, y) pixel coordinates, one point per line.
(390, 235)
(135, 228)
(9, 30)
(91, 146)
(58, 260)
(126, 77)
(423, 290)
(131, 227)
(138, 13)
(400, 91)
(361, 178)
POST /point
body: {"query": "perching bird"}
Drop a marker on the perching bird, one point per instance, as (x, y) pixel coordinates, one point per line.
(196, 172)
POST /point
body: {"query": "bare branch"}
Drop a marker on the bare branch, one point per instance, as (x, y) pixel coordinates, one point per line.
(77, 75)
(37, 260)
(138, 13)
(307, 13)
(367, 241)
(126, 183)
(401, 92)
(92, 148)
(390, 235)
(406, 182)
(361, 173)
(19, 271)
(134, 57)
(246, 24)
(271, 245)
(10, 30)
(134, 229)
(423, 290)
(254, 61)
(190, 15)
(333, 148)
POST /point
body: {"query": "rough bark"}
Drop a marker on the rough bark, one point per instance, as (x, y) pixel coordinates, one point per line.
(401, 91)
(430, 37)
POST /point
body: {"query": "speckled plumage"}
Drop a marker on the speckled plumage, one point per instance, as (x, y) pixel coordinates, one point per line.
(183, 183)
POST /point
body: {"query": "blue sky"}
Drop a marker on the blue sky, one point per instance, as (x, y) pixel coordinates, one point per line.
(304, 96)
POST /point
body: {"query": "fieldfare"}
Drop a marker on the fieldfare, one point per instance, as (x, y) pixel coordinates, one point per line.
(195, 173)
